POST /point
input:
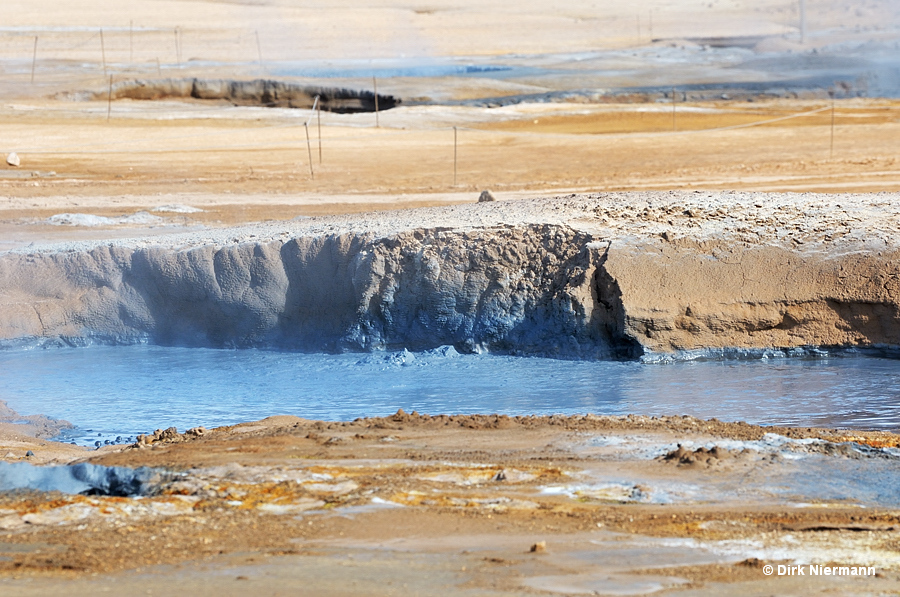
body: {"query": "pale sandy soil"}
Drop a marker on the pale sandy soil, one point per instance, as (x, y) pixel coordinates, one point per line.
(238, 168)
(113, 160)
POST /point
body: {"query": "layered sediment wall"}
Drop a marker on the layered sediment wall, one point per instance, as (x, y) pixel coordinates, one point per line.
(585, 277)
(701, 296)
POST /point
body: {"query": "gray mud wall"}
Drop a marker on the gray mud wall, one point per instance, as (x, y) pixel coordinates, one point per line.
(527, 289)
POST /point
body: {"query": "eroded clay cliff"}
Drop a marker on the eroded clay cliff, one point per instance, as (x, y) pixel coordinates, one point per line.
(587, 277)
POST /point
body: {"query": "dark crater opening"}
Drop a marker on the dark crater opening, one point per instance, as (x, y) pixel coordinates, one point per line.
(259, 92)
(83, 478)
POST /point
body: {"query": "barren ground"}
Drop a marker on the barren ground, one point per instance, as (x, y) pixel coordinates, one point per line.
(414, 505)
(243, 170)
(450, 505)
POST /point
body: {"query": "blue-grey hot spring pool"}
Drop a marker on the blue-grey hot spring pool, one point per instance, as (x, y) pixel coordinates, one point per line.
(120, 391)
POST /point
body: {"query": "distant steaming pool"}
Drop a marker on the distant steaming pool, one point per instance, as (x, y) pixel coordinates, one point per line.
(110, 391)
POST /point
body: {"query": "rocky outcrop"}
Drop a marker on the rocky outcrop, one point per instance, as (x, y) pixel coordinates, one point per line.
(573, 286)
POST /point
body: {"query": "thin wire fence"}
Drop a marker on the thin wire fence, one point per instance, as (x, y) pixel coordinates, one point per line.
(139, 146)
(136, 51)
(126, 48)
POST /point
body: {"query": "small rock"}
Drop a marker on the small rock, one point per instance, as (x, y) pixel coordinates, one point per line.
(29, 454)
(167, 435)
(539, 547)
(13, 159)
(486, 196)
(196, 431)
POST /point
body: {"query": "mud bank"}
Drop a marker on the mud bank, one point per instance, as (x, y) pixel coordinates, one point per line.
(259, 92)
(605, 276)
(748, 92)
(524, 289)
(706, 296)
(582, 505)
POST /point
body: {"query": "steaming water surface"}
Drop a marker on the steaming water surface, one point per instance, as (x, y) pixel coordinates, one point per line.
(125, 390)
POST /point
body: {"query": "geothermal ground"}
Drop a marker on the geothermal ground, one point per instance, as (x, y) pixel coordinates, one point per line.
(473, 505)
(673, 180)
(466, 505)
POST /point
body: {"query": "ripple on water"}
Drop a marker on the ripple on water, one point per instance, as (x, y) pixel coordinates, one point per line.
(124, 390)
